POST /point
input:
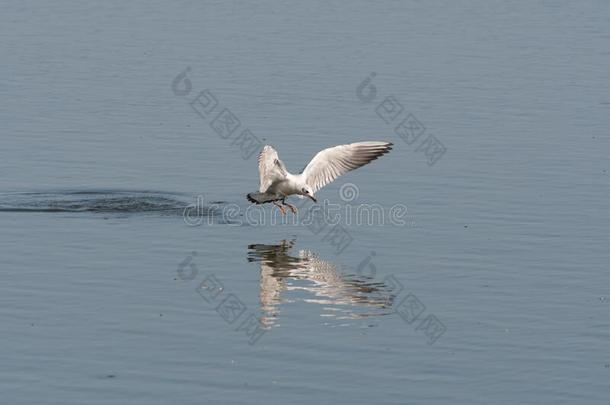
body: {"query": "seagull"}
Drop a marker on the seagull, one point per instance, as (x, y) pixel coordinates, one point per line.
(276, 183)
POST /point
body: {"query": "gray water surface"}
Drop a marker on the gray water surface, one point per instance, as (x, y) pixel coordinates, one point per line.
(110, 296)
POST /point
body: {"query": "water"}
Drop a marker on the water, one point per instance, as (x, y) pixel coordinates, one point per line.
(504, 240)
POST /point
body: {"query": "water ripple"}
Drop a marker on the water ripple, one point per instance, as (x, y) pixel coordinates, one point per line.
(97, 201)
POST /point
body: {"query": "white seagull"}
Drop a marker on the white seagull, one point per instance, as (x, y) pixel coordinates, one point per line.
(276, 183)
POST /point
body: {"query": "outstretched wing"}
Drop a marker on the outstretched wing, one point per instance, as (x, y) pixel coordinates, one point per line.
(331, 163)
(270, 168)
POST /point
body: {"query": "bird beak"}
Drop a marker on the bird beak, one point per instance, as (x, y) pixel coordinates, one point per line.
(312, 198)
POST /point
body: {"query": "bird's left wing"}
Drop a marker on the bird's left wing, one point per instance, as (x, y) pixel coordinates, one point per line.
(270, 168)
(331, 163)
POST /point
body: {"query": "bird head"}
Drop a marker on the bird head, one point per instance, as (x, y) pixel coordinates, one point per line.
(308, 192)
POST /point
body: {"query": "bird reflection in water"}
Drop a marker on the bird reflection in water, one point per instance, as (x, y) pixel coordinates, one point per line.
(343, 296)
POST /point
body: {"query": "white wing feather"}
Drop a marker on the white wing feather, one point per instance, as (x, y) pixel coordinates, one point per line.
(331, 163)
(270, 168)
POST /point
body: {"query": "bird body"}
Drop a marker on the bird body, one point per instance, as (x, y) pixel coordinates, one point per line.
(276, 183)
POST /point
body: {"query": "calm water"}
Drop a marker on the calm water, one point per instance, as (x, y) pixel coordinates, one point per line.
(110, 297)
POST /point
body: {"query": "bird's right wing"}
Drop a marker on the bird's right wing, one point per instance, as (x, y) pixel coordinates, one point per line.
(331, 163)
(270, 168)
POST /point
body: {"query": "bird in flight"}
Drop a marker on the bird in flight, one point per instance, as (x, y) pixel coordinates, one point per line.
(276, 183)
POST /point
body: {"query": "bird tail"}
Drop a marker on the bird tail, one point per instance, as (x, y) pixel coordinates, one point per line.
(250, 197)
(255, 198)
(259, 198)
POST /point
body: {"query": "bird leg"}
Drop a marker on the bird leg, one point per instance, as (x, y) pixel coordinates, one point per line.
(280, 207)
(292, 208)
